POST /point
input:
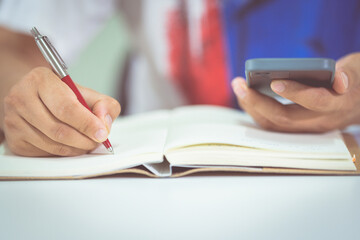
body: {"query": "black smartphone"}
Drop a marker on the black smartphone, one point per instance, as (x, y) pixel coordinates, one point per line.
(315, 72)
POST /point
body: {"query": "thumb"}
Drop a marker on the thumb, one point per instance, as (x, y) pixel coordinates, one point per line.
(341, 81)
(104, 107)
(107, 109)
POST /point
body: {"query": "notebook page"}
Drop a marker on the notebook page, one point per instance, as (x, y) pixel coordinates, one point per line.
(204, 155)
(209, 124)
(136, 140)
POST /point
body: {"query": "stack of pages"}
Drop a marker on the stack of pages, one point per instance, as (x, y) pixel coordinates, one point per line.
(191, 139)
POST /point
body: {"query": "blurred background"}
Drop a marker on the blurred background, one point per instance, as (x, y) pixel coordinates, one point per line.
(98, 65)
(168, 53)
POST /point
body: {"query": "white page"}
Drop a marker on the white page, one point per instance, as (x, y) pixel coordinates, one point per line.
(237, 156)
(205, 124)
(218, 130)
(136, 140)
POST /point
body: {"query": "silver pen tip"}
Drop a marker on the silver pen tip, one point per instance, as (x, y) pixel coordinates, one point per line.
(35, 32)
(110, 149)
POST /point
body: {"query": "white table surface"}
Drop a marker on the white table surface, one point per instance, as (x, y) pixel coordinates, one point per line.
(201, 207)
(193, 207)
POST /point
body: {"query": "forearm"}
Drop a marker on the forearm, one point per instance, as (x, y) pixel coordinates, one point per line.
(18, 56)
(12, 68)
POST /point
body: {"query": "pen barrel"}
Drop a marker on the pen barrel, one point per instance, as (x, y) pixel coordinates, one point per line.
(50, 54)
(68, 81)
(107, 144)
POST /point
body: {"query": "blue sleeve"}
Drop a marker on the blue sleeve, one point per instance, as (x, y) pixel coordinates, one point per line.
(283, 28)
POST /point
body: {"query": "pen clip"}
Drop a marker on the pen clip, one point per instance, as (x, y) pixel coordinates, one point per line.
(46, 39)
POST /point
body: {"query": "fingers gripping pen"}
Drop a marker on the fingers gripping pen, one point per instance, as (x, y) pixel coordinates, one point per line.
(60, 68)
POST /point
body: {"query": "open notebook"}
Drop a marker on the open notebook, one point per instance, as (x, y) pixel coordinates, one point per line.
(191, 139)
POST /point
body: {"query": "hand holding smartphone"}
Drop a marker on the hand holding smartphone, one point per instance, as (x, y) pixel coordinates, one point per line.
(315, 72)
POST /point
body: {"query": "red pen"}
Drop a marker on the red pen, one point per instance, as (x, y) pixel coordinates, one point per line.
(59, 66)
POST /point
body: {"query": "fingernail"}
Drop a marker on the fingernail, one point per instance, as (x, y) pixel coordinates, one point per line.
(101, 135)
(239, 88)
(345, 80)
(108, 121)
(278, 86)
